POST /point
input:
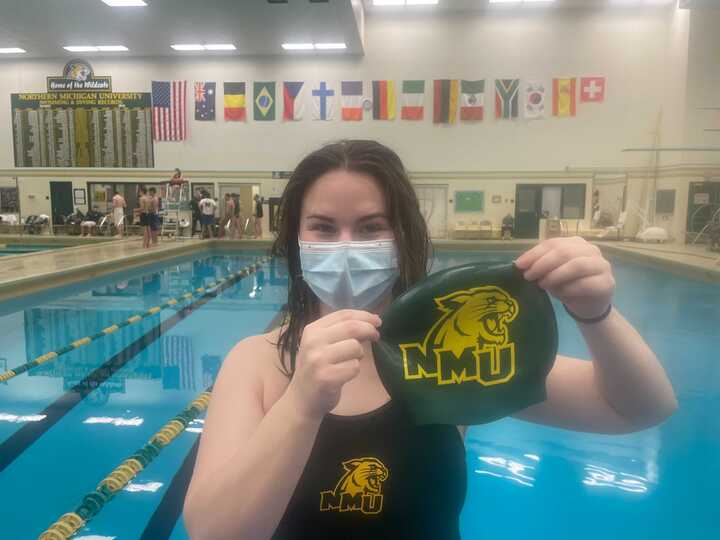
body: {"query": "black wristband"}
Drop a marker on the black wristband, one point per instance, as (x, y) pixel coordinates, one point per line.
(590, 320)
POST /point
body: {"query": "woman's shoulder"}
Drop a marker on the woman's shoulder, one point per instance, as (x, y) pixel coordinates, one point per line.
(257, 360)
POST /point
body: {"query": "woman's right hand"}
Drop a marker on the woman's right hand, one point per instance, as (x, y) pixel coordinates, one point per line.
(328, 357)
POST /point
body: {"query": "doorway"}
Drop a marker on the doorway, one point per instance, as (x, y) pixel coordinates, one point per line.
(242, 192)
(528, 201)
(61, 201)
(433, 206)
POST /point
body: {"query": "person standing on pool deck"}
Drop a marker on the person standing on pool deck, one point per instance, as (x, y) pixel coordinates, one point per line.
(258, 216)
(207, 215)
(119, 204)
(154, 216)
(300, 426)
(145, 204)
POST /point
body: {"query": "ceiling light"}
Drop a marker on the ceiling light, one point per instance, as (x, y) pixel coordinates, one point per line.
(531, 1)
(330, 46)
(505, 1)
(388, 2)
(298, 46)
(191, 47)
(80, 48)
(422, 2)
(11, 50)
(124, 3)
(112, 48)
(220, 47)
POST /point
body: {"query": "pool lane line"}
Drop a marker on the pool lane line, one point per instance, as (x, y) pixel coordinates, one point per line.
(52, 355)
(70, 523)
(12, 447)
(168, 511)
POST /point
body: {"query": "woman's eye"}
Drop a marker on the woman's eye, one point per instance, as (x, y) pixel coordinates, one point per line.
(372, 228)
(322, 228)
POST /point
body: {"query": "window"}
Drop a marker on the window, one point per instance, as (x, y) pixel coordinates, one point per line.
(665, 201)
(573, 201)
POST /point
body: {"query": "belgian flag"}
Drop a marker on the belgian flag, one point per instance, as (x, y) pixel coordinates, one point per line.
(234, 100)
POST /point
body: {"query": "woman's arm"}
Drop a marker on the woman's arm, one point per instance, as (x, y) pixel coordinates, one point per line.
(624, 388)
(248, 463)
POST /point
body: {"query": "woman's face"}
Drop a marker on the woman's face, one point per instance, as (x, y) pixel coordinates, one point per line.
(341, 206)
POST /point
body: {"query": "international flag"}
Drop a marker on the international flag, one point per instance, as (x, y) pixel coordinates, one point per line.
(293, 106)
(204, 101)
(592, 89)
(323, 102)
(413, 100)
(564, 97)
(351, 100)
(264, 101)
(534, 99)
(472, 100)
(178, 367)
(445, 101)
(169, 103)
(234, 100)
(506, 98)
(383, 100)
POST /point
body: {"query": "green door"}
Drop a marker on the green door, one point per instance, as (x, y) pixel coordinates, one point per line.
(61, 201)
(528, 199)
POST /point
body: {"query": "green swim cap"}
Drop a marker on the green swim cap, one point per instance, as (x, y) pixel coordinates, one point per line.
(468, 345)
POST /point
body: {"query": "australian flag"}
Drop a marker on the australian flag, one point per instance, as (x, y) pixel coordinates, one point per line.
(204, 101)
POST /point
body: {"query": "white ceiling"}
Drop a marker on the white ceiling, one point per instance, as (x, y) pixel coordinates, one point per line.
(256, 27)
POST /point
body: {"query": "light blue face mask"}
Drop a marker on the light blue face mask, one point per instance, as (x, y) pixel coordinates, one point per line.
(349, 274)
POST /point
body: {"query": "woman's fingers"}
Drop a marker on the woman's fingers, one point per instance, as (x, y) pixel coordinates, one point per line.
(346, 315)
(350, 329)
(343, 372)
(342, 351)
(573, 270)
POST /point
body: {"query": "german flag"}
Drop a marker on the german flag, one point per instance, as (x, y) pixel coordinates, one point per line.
(383, 100)
(445, 101)
(234, 101)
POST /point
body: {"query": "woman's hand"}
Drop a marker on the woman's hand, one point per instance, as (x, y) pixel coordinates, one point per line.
(573, 271)
(329, 356)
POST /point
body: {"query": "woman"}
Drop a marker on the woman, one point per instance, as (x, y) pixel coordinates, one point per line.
(299, 431)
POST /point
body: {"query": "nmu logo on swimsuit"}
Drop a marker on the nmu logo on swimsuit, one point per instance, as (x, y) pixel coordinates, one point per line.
(470, 341)
(359, 488)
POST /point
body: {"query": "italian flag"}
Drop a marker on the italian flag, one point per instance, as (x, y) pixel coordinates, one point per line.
(413, 98)
(383, 100)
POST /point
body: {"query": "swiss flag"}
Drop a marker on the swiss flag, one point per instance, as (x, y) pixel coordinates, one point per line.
(592, 89)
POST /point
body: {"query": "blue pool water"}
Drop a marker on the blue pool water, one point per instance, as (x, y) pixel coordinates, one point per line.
(20, 249)
(525, 480)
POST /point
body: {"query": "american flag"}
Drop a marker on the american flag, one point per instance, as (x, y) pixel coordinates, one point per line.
(168, 107)
(178, 366)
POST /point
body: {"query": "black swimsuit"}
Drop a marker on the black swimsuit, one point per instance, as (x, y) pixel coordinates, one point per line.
(376, 476)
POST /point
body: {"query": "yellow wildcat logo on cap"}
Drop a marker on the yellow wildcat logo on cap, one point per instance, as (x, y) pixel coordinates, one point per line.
(470, 341)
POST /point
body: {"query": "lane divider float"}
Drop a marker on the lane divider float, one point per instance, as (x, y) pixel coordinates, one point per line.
(70, 523)
(52, 355)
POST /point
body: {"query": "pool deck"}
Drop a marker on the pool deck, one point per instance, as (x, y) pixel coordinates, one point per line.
(92, 257)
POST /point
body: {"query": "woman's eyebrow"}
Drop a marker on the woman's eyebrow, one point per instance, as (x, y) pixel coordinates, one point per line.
(320, 217)
(373, 216)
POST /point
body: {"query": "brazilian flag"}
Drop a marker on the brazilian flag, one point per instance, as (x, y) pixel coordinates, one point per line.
(264, 101)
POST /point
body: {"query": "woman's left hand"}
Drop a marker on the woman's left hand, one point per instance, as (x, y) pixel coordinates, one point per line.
(573, 271)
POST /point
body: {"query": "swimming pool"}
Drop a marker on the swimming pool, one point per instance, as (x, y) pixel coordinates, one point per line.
(21, 249)
(525, 481)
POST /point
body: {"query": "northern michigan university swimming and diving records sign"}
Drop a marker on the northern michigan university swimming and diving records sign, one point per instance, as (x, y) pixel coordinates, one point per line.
(81, 122)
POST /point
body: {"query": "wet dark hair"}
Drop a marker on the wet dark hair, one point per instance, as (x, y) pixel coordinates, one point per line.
(408, 225)
(143, 189)
(153, 190)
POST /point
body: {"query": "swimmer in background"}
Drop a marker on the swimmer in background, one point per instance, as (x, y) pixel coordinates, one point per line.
(119, 204)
